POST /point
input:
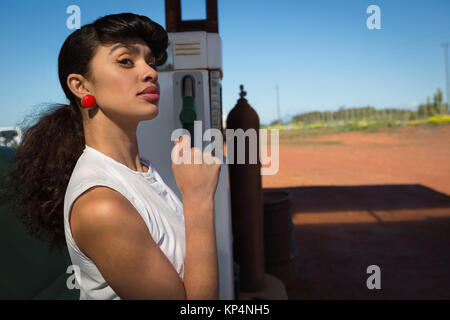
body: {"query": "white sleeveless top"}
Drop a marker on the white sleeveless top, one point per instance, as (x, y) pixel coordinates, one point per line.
(157, 204)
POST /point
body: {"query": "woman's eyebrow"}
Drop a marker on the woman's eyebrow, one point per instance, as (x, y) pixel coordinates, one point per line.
(130, 47)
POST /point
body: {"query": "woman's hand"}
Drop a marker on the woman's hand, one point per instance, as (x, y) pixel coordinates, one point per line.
(196, 173)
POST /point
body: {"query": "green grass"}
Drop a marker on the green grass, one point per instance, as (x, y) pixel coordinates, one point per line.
(296, 130)
(296, 133)
(293, 133)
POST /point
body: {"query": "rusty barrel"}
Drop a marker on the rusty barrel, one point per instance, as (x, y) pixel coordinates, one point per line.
(280, 252)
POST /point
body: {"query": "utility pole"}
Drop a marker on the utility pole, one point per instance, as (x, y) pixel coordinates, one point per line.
(445, 46)
(278, 105)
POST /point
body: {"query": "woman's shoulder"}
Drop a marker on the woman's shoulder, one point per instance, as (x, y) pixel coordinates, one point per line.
(96, 208)
(89, 169)
(99, 198)
(88, 176)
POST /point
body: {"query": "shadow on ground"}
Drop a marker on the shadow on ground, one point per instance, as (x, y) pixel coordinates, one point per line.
(341, 230)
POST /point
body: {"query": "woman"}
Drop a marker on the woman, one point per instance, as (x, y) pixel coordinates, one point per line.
(78, 179)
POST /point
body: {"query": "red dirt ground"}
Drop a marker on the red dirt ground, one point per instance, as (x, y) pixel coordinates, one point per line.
(373, 199)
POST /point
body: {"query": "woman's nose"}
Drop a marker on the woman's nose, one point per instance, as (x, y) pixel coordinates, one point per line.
(150, 73)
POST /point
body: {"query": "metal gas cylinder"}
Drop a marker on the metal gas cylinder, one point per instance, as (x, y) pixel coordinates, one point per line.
(246, 197)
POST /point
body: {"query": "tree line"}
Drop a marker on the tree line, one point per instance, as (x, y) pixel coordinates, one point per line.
(369, 113)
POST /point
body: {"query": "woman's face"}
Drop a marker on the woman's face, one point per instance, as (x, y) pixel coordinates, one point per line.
(120, 72)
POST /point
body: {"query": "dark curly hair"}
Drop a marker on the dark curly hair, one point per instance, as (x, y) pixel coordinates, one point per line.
(36, 182)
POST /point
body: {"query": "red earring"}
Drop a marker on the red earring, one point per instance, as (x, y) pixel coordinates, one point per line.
(88, 101)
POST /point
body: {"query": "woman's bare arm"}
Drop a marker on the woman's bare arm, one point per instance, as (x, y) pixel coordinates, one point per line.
(200, 268)
(109, 230)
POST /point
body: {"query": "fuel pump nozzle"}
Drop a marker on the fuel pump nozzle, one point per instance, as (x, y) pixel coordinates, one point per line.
(188, 115)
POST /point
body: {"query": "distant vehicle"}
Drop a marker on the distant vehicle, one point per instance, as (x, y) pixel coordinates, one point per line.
(10, 136)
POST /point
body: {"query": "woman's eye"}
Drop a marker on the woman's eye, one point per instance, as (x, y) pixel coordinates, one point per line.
(123, 61)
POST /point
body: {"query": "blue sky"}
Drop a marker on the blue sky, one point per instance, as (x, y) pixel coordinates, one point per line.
(321, 53)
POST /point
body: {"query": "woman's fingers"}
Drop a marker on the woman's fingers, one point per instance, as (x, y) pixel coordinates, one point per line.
(182, 152)
(179, 146)
(210, 159)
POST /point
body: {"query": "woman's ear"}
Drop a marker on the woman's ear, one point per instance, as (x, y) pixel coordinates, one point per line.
(78, 85)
